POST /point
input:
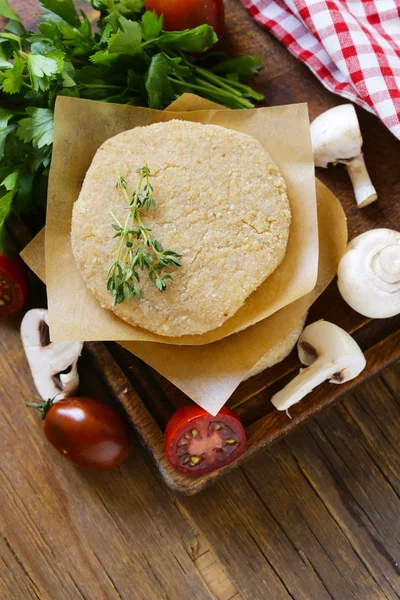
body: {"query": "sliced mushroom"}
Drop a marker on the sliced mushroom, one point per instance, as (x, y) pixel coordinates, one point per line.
(336, 138)
(369, 274)
(53, 364)
(330, 354)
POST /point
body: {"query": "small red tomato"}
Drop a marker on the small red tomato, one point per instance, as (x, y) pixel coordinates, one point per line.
(186, 14)
(89, 433)
(197, 443)
(13, 284)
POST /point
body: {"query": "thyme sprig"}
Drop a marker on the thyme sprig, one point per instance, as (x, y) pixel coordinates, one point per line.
(137, 249)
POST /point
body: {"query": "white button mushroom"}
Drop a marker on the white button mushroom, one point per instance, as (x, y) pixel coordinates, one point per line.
(369, 274)
(53, 365)
(336, 138)
(330, 354)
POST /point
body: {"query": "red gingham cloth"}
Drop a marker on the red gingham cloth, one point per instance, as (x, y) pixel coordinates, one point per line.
(352, 46)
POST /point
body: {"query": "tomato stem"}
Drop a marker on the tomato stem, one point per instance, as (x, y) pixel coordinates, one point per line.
(42, 406)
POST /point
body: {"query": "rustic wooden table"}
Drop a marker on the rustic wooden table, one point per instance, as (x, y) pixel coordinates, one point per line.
(315, 517)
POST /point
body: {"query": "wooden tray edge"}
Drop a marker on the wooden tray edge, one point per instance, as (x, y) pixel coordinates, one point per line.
(260, 434)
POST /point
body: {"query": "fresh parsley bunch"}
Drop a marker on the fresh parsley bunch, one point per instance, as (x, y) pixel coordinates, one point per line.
(129, 59)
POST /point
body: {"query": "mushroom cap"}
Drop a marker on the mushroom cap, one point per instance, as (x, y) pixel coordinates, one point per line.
(331, 345)
(369, 274)
(336, 136)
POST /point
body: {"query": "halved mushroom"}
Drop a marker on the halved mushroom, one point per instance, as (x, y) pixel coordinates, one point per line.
(336, 138)
(330, 354)
(53, 364)
(369, 274)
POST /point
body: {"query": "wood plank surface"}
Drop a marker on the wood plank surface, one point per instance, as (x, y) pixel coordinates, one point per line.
(317, 516)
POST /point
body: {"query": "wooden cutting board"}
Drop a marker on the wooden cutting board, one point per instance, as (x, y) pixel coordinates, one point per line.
(148, 398)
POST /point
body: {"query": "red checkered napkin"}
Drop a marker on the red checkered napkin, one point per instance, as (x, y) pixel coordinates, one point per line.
(352, 46)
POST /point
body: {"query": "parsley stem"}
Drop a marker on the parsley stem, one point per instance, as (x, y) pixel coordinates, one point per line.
(217, 94)
(215, 79)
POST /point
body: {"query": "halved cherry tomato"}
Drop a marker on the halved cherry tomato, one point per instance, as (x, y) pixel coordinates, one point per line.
(197, 443)
(89, 433)
(13, 284)
(185, 14)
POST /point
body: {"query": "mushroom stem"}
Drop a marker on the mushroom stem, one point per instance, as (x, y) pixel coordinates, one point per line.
(304, 383)
(336, 139)
(364, 190)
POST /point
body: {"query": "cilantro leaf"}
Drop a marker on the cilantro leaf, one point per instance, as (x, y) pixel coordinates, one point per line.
(151, 25)
(38, 128)
(7, 12)
(158, 85)
(128, 38)
(13, 78)
(189, 40)
(65, 9)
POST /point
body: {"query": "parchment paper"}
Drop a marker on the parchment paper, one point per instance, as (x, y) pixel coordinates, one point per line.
(210, 373)
(80, 128)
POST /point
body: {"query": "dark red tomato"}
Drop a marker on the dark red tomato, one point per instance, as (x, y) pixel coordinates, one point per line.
(89, 433)
(197, 443)
(13, 284)
(185, 14)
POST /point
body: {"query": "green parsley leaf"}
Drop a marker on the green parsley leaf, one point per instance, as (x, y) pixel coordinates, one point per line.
(158, 85)
(104, 57)
(41, 68)
(127, 8)
(5, 116)
(151, 25)
(65, 9)
(23, 196)
(4, 56)
(190, 40)
(11, 181)
(244, 66)
(7, 12)
(4, 133)
(38, 128)
(15, 40)
(5, 209)
(127, 40)
(12, 80)
(15, 27)
(49, 30)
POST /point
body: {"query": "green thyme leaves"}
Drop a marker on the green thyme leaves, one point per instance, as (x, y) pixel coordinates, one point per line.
(137, 250)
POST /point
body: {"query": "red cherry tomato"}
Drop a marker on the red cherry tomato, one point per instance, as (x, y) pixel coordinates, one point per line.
(185, 14)
(197, 443)
(89, 433)
(13, 284)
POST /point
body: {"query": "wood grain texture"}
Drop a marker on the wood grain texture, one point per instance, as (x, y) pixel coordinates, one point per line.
(150, 399)
(316, 516)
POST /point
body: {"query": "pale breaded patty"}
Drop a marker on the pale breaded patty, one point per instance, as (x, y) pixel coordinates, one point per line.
(280, 351)
(221, 204)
